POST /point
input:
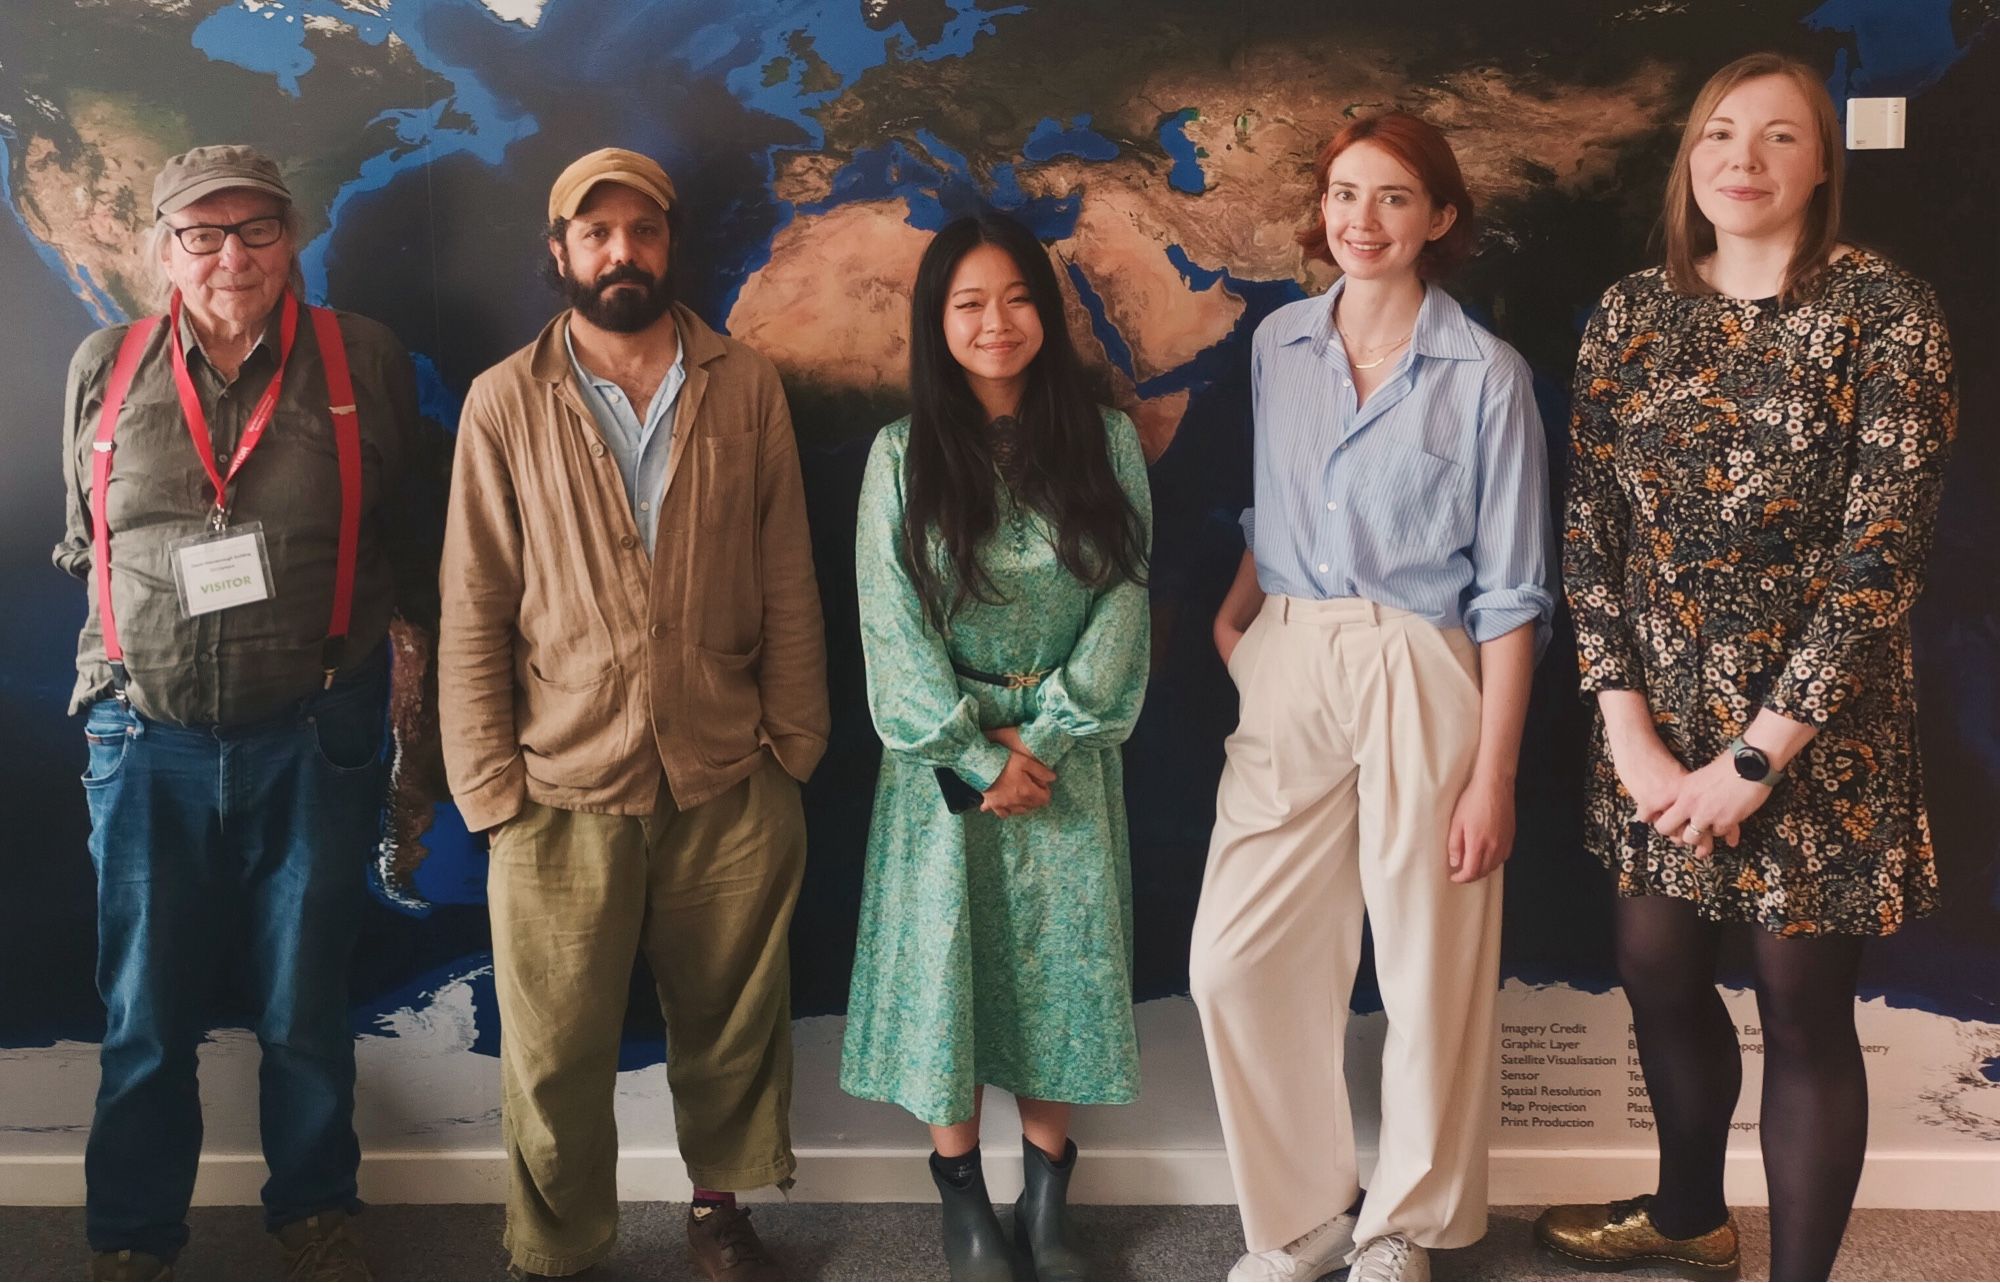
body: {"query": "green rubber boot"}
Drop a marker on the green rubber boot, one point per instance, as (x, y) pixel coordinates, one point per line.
(1041, 1215)
(974, 1247)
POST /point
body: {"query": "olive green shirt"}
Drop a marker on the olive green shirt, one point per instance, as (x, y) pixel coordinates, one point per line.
(252, 661)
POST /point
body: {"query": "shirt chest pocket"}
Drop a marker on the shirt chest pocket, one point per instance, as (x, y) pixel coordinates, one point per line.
(1413, 500)
(156, 477)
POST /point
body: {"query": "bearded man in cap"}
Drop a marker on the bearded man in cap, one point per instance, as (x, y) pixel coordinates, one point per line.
(245, 502)
(632, 685)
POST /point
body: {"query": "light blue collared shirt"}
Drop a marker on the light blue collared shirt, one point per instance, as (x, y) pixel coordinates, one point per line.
(641, 449)
(1433, 497)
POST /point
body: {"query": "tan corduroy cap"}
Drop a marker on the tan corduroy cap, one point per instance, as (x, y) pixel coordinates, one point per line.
(609, 165)
(188, 177)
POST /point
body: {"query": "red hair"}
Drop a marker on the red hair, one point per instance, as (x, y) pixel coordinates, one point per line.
(1420, 148)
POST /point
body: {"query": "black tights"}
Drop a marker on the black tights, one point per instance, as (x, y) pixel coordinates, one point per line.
(1815, 1106)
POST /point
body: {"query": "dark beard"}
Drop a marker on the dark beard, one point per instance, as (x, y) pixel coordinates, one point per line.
(622, 311)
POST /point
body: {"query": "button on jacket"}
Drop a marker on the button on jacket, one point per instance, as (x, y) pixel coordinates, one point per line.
(1432, 496)
(252, 661)
(572, 667)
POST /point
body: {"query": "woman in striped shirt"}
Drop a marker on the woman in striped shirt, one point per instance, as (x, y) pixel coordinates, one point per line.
(1382, 632)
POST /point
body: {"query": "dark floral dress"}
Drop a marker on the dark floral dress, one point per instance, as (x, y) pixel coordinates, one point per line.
(1751, 498)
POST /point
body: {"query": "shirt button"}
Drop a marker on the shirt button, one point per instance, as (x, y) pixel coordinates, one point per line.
(645, 506)
(1347, 383)
(628, 541)
(1331, 506)
(657, 631)
(1323, 567)
(597, 448)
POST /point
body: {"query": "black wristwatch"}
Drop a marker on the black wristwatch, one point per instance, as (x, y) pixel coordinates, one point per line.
(1754, 764)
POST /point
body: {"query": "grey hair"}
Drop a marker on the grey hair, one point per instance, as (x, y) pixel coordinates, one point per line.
(161, 286)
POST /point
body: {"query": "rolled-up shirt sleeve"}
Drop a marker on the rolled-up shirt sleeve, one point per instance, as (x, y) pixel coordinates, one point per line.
(1513, 539)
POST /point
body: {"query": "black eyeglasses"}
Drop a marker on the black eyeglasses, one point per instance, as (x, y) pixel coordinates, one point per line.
(209, 238)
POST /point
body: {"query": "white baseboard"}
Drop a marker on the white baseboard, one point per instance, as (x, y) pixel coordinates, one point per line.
(1126, 1176)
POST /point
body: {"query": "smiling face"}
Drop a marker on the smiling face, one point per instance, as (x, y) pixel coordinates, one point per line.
(1378, 215)
(991, 325)
(236, 287)
(1758, 163)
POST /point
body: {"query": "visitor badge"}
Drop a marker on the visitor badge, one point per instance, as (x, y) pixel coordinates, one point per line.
(222, 569)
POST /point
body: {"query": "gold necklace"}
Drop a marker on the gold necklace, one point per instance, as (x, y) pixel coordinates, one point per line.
(1387, 352)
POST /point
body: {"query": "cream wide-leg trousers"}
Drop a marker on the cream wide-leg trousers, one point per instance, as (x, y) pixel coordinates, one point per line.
(1358, 731)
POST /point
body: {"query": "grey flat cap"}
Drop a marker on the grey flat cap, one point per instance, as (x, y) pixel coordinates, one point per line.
(188, 177)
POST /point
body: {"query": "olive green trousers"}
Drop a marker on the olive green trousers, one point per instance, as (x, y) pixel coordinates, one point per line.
(707, 894)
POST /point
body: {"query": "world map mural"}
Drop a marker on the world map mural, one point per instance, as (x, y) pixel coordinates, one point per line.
(1162, 151)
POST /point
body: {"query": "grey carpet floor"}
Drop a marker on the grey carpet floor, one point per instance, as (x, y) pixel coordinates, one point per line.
(899, 1241)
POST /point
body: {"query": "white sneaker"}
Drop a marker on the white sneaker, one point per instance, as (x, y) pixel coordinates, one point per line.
(1312, 1255)
(1389, 1258)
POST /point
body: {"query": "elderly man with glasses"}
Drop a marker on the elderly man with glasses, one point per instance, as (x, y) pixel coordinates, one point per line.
(246, 483)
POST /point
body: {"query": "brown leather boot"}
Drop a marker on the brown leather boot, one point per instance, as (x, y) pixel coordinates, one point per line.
(727, 1246)
(322, 1247)
(128, 1264)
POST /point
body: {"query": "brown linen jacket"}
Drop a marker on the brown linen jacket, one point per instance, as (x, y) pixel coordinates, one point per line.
(571, 669)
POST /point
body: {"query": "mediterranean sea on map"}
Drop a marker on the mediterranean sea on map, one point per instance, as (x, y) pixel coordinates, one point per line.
(1162, 151)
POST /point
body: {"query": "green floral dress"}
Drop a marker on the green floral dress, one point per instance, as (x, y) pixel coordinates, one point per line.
(1751, 496)
(996, 951)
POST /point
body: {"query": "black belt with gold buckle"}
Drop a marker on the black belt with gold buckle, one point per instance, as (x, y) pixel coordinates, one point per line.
(1007, 681)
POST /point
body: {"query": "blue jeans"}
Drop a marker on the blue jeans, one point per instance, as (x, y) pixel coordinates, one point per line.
(248, 844)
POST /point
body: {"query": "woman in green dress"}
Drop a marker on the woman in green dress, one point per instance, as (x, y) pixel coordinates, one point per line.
(1001, 555)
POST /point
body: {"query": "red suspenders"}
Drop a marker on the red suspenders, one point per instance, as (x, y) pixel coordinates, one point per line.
(347, 443)
(122, 371)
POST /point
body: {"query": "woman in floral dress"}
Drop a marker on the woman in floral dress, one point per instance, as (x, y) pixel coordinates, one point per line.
(1000, 552)
(1760, 428)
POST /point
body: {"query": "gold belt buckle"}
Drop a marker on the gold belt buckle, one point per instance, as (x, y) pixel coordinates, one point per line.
(1023, 681)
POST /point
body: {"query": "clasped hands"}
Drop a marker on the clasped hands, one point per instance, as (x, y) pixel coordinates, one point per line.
(1693, 808)
(1024, 785)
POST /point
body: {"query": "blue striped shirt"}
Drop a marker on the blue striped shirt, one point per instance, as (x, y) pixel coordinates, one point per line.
(640, 447)
(1433, 497)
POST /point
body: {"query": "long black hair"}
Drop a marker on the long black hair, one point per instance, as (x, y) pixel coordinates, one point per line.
(949, 482)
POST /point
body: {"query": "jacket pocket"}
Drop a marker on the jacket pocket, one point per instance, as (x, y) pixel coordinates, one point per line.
(724, 700)
(573, 729)
(726, 467)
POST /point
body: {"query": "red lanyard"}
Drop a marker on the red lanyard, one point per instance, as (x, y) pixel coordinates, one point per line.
(260, 416)
(347, 445)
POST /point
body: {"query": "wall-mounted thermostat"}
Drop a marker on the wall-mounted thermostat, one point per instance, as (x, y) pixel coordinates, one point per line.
(1874, 122)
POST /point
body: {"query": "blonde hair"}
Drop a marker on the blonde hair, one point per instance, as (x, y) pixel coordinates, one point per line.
(1690, 237)
(160, 235)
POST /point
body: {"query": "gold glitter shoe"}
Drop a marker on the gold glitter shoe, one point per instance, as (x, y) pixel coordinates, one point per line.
(1621, 1236)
